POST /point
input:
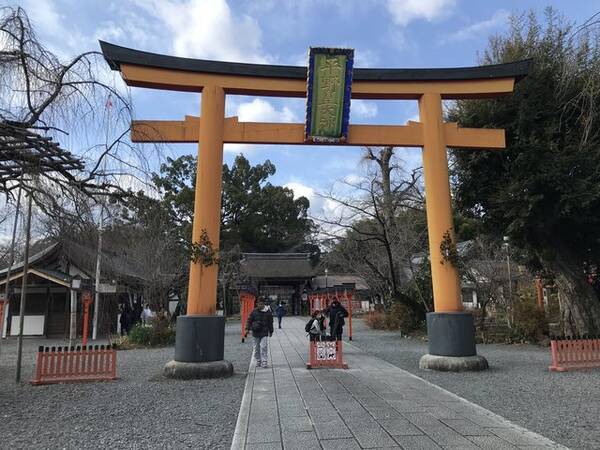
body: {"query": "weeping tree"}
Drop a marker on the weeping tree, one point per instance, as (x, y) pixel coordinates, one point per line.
(544, 189)
(63, 123)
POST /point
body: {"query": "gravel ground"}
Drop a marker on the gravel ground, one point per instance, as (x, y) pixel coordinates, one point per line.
(141, 410)
(564, 407)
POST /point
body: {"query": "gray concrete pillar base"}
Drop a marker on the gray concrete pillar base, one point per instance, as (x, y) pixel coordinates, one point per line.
(198, 371)
(199, 349)
(452, 343)
(199, 338)
(453, 363)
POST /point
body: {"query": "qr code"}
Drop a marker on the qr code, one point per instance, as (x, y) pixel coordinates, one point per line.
(326, 351)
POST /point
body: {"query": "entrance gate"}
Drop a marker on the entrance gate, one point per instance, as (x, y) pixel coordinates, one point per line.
(200, 335)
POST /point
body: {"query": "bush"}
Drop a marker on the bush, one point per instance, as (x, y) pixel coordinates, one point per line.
(529, 321)
(376, 320)
(399, 317)
(160, 333)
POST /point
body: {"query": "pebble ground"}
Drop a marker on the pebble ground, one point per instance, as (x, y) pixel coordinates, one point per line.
(141, 410)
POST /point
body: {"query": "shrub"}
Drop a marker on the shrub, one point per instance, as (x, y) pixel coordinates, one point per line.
(401, 317)
(398, 317)
(159, 333)
(529, 321)
(376, 320)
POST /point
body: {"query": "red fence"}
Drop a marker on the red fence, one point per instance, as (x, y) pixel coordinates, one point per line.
(320, 302)
(574, 354)
(327, 354)
(246, 306)
(64, 364)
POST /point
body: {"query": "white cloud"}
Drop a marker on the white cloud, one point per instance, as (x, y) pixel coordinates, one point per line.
(300, 190)
(319, 207)
(44, 16)
(259, 110)
(57, 33)
(363, 109)
(405, 11)
(208, 29)
(499, 18)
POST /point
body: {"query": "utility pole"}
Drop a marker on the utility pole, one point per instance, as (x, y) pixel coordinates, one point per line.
(97, 289)
(11, 261)
(510, 296)
(24, 289)
(108, 107)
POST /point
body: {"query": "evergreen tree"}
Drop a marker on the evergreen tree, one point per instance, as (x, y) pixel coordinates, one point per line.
(544, 189)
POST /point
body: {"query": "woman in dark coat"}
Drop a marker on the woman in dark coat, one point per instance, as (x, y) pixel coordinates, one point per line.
(336, 313)
(125, 319)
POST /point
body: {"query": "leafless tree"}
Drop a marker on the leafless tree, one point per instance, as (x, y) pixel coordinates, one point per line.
(377, 224)
(483, 266)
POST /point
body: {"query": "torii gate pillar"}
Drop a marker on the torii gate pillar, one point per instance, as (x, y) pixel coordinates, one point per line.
(450, 330)
(200, 336)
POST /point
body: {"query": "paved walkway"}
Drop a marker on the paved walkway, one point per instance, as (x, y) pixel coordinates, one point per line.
(371, 405)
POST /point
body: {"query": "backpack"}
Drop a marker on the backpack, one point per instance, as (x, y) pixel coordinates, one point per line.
(310, 329)
(308, 325)
(257, 323)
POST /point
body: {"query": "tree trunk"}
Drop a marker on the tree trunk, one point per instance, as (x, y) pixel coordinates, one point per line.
(579, 303)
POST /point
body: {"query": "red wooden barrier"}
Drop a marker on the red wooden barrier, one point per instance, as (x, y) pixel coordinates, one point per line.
(246, 306)
(574, 354)
(327, 354)
(65, 365)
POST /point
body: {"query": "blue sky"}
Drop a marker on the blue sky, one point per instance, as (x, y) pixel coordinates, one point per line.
(384, 33)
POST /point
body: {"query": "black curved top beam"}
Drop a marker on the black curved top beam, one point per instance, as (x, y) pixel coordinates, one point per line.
(116, 55)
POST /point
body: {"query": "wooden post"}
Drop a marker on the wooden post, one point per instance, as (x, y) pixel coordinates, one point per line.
(23, 289)
(73, 318)
(202, 291)
(87, 301)
(539, 291)
(446, 283)
(3, 303)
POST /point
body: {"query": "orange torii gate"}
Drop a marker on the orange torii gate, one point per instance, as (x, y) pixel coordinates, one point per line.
(200, 334)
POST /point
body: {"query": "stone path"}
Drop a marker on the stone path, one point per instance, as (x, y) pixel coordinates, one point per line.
(373, 404)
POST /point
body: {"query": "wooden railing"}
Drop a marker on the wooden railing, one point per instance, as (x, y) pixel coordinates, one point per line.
(574, 353)
(73, 364)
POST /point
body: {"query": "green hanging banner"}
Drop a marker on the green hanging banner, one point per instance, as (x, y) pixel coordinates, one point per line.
(329, 90)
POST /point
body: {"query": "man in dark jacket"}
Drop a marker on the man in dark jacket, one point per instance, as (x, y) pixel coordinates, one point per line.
(280, 311)
(260, 322)
(336, 319)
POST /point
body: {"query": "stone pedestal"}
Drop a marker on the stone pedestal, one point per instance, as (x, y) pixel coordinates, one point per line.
(452, 343)
(199, 348)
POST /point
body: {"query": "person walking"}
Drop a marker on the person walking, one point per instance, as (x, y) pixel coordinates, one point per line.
(280, 311)
(125, 319)
(336, 313)
(260, 322)
(147, 315)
